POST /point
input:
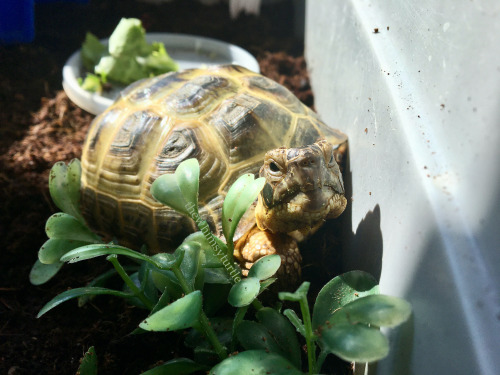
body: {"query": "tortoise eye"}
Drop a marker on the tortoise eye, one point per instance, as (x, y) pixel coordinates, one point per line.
(274, 167)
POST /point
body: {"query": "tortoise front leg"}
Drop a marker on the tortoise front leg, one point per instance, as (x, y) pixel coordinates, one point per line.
(258, 243)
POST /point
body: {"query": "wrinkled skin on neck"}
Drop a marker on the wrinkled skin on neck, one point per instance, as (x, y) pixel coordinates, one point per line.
(303, 187)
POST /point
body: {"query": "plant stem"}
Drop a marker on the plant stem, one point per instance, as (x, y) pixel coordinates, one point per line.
(311, 347)
(211, 336)
(240, 314)
(128, 281)
(203, 319)
(321, 359)
(225, 257)
(182, 280)
(257, 304)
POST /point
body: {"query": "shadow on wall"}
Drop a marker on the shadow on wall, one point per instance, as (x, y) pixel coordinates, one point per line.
(325, 254)
(362, 249)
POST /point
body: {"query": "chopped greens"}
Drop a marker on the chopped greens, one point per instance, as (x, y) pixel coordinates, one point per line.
(92, 82)
(126, 58)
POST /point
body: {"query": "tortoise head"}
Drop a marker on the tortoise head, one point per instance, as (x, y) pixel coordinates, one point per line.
(303, 187)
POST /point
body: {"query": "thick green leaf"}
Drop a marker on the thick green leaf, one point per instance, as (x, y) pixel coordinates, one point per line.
(97, 250)
(253, 335)
(209, 259)
(41, 273)
(244, 292)
(54, 248)
(265, 267)
(215, 297)
(274, 333)
(77, 292)
(166, 191)
(179, 190)
(377, 310)
(167, 261)
(180, 314)
(64, 226)
(205, 356)
(191, 263)
(163, 301)
(146, 283)
(88, 364)
(178, 366)
(340, 291)
(222, 328)
(238, 199)
(296, 296)
(282, 332)
(64, 186)
(355, 342)
(135, 300)
(92, 51)
(217, 276)
(256, 362)
(188, 179)
(166, 279)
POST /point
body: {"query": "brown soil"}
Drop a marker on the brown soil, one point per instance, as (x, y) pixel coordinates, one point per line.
(39, 126)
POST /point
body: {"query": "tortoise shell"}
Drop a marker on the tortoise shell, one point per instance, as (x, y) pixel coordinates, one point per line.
(227, 117)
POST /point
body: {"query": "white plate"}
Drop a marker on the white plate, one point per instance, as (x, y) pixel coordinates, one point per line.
(187, 50)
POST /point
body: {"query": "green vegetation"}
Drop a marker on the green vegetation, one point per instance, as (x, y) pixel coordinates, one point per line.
(126, 58)
(199, 287)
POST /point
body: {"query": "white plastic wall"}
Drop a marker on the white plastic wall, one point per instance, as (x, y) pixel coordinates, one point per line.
(420, 101)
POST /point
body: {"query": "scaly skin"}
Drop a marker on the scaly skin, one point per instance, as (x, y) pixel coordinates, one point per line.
(303, 187)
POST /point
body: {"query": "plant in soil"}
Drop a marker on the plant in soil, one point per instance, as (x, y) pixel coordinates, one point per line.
(199, 288)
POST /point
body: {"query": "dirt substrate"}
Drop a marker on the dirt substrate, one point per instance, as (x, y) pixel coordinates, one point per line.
(39, 126)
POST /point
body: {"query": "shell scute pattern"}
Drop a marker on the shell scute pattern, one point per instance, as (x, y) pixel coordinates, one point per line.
(198, 96)
(266, 87)
(131, 219)
(122, 167)
(226, 117)
(241, 128)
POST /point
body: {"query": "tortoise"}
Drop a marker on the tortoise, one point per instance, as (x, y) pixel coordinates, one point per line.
(234, 121)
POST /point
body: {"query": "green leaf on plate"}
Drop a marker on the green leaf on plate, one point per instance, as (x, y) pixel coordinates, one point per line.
(92, 51)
